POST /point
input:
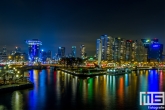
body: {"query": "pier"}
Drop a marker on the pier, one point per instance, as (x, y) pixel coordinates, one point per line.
(17, 86)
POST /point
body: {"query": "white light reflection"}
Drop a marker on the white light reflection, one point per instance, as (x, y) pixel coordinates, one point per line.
(17, 101)
(2, 107)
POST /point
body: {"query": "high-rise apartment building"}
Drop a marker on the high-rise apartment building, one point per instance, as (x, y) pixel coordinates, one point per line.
(119, 49)
(106, 45)
(130, 50)
(140, 51)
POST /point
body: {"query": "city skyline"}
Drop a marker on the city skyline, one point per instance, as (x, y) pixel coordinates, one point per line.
(57, 23)
(67, 49)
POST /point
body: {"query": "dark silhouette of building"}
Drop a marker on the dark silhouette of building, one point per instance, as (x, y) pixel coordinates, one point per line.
(61, 52)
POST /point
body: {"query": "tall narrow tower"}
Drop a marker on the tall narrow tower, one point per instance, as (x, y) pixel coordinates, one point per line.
(99, 53)
(34, 49)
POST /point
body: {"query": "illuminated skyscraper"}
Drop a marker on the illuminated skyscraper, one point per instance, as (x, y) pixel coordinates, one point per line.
(153, 49)
(82, 51)
(119, 49)
(155, 52)
(61, 52)
(130, 50)
(107, 48)
(34, 49)
(73, 51)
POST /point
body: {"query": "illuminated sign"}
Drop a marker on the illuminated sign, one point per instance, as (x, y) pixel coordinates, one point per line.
(155, 45)
(34, 42)
(147, 40)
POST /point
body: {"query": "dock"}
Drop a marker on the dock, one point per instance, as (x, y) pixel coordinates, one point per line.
(89, 74)
(17, 86)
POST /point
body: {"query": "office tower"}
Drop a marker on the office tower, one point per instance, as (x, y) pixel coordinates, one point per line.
(148, 44)
(119, 49)
(73, 52)
(155, 52)
(61, 52)
(34, 49)
(154, 49)
(43, 55)
(82, 51)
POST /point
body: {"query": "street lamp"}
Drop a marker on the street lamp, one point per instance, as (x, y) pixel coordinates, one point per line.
(9, 57)
(21, 57)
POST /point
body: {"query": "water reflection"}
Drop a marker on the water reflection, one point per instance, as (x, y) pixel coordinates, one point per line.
(17, 101)
(2, 107)
(59, 90)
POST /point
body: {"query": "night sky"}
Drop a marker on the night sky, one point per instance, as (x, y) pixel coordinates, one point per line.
(66, 23)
